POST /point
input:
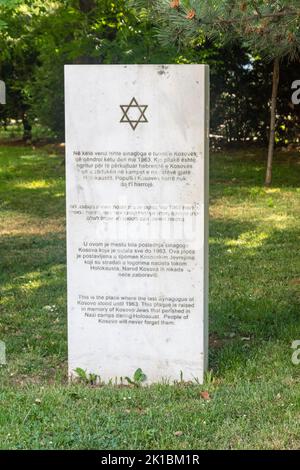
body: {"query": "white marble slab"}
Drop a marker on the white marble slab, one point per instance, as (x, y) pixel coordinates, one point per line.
(137, 191)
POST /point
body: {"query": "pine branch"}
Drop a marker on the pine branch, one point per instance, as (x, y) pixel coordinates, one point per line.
(268, 28)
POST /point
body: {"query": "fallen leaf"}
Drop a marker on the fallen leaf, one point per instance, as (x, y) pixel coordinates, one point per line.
(140, 410)
(295, 281)
(205, 395)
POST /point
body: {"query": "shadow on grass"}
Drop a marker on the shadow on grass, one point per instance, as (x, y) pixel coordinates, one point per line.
(33, 302)
(254, 291)
(243, 169)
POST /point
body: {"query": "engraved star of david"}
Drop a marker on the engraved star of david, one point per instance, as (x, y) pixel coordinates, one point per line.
(133, 113)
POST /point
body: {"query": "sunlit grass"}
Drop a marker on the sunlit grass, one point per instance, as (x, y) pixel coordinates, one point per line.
(36, 184)
(249, 240)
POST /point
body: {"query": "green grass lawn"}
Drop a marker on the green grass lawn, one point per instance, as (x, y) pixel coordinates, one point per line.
(254, 387)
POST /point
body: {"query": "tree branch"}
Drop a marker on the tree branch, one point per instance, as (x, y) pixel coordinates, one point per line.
(288, 12)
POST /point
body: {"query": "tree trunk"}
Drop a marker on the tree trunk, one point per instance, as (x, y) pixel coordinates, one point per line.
(27, 128)
(85, 6)
(268, 179)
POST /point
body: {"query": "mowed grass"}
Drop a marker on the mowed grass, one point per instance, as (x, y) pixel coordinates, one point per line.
(253, 386)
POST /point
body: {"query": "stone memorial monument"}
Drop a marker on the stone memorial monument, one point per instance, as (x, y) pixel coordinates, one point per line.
(137, 224)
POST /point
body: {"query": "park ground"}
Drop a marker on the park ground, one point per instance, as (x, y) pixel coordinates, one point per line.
(251, 397)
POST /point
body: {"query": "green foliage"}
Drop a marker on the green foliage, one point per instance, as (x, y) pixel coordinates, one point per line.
(17, 61)
(107, 34)
(38, 38)
(86, 378)
(138, 378)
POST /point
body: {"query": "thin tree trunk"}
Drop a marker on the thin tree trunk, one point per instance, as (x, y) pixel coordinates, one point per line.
(86, 6)
(268, 179)
(27, 128)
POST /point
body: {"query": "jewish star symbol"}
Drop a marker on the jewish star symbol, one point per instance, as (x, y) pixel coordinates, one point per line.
(133, 113)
